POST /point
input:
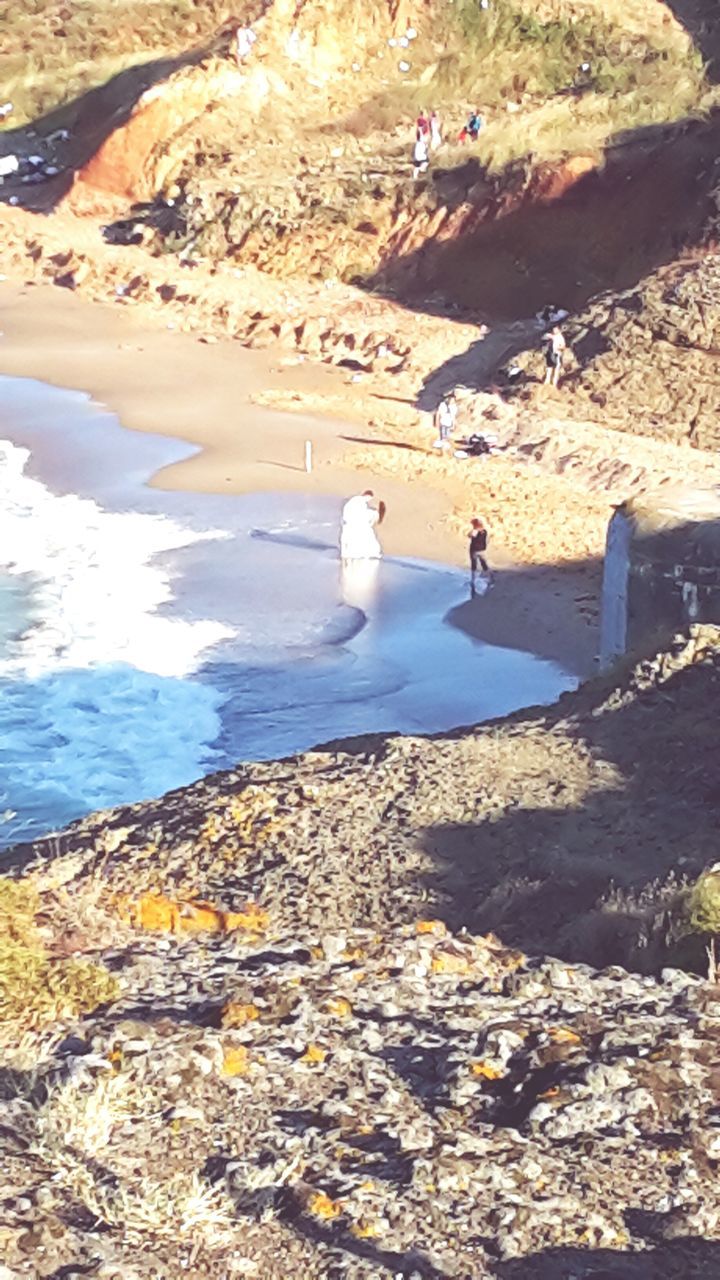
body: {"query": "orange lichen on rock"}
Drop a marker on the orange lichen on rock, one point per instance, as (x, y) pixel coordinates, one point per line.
(430, 926)
(364, 1230)
(235, 1014)
(339, 1007)
(156, 912)
(450, 962)
(321, 1206)
(485, 1070)
(314, 1055)
(235, 1061)
(564, 1035)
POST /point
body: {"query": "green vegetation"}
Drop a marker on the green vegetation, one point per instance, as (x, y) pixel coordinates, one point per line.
(34, 986)
(53, 51)
(525, 74)
(704, 903)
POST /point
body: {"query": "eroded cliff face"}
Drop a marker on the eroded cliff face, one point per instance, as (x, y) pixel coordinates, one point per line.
(645, 360)
(141, 156)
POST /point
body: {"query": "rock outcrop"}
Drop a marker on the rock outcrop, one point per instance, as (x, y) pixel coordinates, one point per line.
(645, 360)
(304, 1065)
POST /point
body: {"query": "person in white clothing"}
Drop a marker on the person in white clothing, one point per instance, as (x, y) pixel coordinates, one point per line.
(555, 346)
(358, 540)
(244, 40)
(445, 419)
(435, 131)
(420, 155)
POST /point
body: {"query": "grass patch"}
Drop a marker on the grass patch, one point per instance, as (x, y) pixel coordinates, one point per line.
(36, 988)
(524, 71)
(87, 1130)
(52, 52)
(704, 903)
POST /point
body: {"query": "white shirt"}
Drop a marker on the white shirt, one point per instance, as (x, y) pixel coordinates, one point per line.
(245, 39)
(447, 413)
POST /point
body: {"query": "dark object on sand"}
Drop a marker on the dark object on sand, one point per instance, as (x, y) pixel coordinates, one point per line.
(476, 446)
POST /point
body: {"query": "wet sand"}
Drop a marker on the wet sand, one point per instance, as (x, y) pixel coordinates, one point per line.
(174, 384)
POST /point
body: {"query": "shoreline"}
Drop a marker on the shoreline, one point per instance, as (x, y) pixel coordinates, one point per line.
(174, 384)
(229, 622)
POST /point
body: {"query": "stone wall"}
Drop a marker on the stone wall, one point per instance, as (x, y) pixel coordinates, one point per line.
(662, 569)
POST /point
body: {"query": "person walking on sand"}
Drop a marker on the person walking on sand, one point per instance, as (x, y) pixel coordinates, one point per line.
(435, 131)
(420, 155)
(422, 125)
(555, 347)
(445, 419)
(477, 545)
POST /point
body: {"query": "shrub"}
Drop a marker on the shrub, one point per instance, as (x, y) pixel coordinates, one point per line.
(35, 987)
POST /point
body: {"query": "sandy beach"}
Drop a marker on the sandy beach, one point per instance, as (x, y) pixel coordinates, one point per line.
(173, 384)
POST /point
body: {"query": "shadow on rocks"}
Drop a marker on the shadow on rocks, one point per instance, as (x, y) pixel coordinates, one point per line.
(588, 863)
(408, 1265)
(686, 1258)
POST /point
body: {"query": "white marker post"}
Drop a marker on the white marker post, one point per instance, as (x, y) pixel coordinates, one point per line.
(308, 456)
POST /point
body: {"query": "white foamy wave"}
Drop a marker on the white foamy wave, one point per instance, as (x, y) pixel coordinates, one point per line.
(96, 707)
(98, 585)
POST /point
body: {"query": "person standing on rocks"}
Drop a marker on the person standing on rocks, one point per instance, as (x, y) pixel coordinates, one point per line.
(477, 545)
(472, 128)
(435, 131)
(445, 419)
(244, 40)
(555, 347)
(420, 155)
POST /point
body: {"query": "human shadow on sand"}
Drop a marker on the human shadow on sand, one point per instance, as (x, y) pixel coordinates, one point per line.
(684, 1258)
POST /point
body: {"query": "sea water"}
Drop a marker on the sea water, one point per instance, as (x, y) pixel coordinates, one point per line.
(149, 637)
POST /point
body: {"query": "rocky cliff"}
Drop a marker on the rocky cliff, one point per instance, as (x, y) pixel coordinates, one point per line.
(285, 1022)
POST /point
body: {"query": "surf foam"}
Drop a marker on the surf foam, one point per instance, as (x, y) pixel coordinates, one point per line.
(96, 707)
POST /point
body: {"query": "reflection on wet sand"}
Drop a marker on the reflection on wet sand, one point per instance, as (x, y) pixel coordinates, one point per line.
(358, 583)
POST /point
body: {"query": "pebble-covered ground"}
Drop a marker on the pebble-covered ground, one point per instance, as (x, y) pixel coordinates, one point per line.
(288, 1023)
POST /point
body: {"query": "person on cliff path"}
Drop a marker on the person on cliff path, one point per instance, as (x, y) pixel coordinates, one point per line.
(445, 419)
(435, 131)
(422, 125)
(555, 347)
(420, 155)
(477, 545)
(244, 40)
(472, 128)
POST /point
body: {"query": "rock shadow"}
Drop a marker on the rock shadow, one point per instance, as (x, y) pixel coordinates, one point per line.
(338, 1241)
(602, 233)
(701, 20)
(593, 874)
(88, 121)
(684, 1258)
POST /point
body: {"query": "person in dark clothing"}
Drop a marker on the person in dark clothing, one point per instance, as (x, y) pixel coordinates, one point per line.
(477, 546)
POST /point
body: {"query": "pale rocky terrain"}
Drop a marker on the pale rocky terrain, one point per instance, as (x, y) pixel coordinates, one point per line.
(433, 1009)
(312, 1057)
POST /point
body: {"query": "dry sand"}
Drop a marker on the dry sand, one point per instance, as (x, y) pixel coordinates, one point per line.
(174, 384)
